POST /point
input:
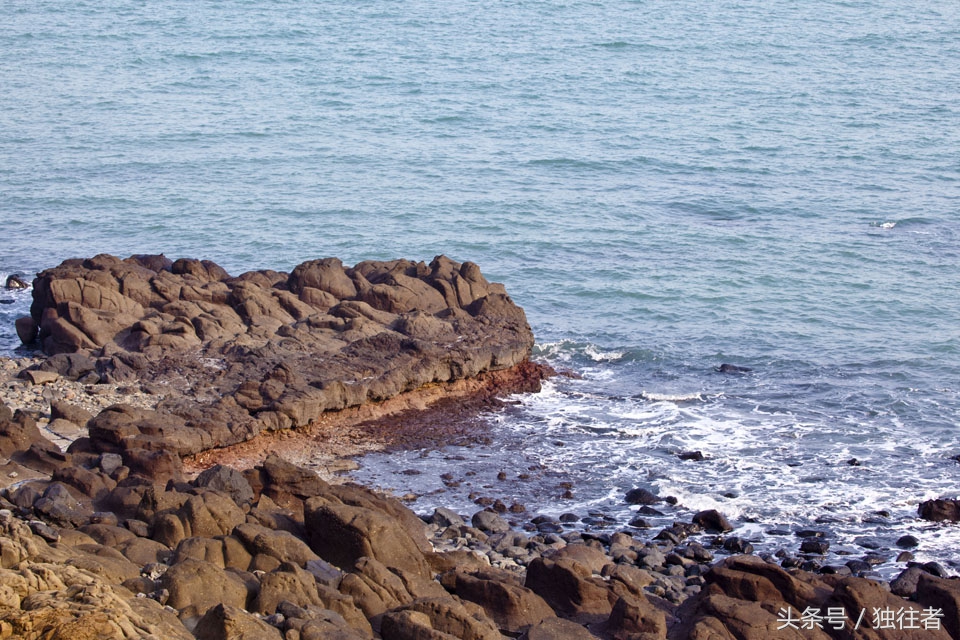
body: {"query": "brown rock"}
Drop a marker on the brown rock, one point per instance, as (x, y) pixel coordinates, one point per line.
(27, 329)
(559, 629)
(513, 607)
(62, 409)
(942, 594)
(287, 583)
(224, 622)
(343, 534)
(448, 616)
(18, 433)
(635, 617)
(712, 520)
(940, 510)
(199, 584)
(568, 588)
(282, 545)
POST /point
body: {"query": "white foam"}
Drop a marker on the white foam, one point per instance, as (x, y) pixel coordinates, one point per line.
(670, 397)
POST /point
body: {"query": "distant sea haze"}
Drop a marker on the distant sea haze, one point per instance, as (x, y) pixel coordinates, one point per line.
(663, 186)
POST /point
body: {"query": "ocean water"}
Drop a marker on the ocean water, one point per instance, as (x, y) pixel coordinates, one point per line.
(663, 186)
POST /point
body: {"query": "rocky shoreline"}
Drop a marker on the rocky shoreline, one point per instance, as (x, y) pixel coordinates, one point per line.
(170, 471)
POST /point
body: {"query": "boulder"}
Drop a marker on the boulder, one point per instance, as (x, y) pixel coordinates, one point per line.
(513, 607)
(282, 545)
(712, 520)
(558, 629)
(942, 594)
(224, 622)
(288, 583)
(342, 534)
(202, 585)
(489, 522)
(226, 480)
(940, 510)
(568, 587)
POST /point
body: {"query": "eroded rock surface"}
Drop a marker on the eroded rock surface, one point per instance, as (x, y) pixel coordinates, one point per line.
(264, 350)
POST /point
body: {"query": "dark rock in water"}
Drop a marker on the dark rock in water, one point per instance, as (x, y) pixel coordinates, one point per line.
(726, 367)
(853, 462)
(814, 545)
(735, 544)
(691, 455)
(905, 556)
(641, 496)
(639, 523)
(908, 541)
(569, 517)
(649, 511)
(935, 569)
(868, 542)
(16, 282)
(712, 520)
(940, 510)
(811, 533)
(859, 566)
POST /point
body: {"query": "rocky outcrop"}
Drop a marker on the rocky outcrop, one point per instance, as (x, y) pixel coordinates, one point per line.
(265, 350)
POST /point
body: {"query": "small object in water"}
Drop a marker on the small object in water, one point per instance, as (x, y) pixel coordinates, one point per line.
(726, 367)
(853, 462)
(691, 455)
(6, 301)
(16, 282)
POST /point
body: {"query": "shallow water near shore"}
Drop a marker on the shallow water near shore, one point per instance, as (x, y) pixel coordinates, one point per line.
(664, 187)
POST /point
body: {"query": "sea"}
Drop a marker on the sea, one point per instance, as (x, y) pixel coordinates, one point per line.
(664, 186)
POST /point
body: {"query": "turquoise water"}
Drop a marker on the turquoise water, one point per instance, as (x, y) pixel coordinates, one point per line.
(663, 186)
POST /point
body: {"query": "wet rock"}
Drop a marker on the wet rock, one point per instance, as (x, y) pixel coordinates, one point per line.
(640, 495)
(726, 367)
(815, 546)
(735, 544)
(908, 541)
(712, 520)
(695, 456)
(14, 281)
(940, 510)
(935, 569)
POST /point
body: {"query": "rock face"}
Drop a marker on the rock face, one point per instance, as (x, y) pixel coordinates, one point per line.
(267, 350)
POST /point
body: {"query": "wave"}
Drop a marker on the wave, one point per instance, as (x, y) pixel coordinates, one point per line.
(672, 397)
